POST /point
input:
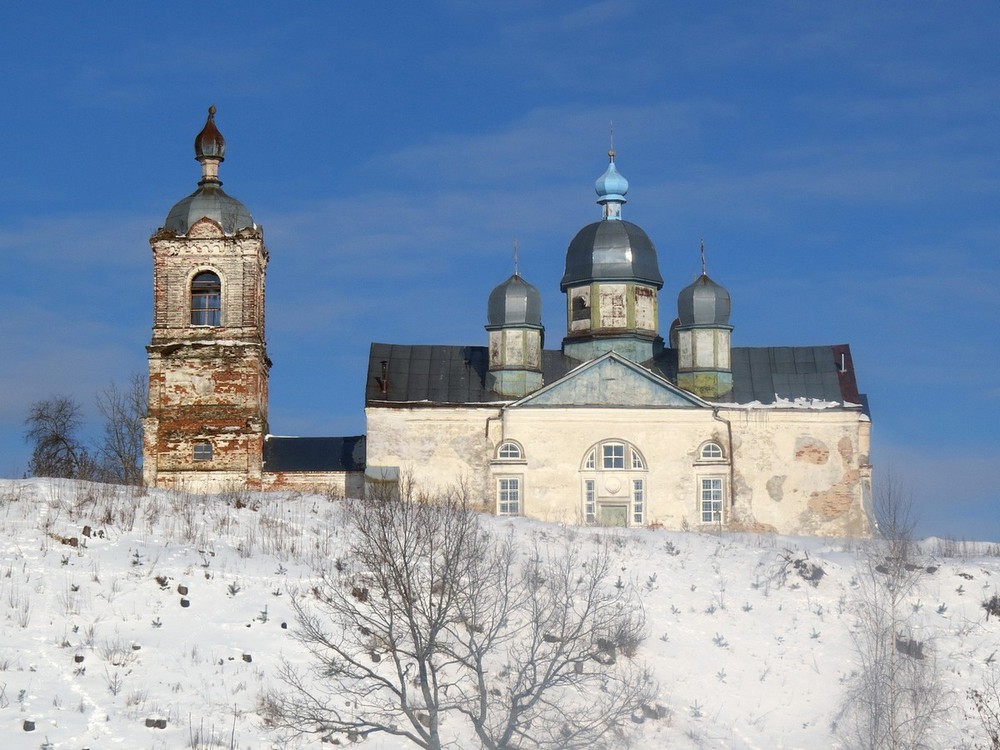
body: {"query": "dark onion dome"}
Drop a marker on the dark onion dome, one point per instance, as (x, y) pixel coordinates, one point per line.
(514, 303)
(703, 303)
(209, 200)
(611, 250)
(209, 142)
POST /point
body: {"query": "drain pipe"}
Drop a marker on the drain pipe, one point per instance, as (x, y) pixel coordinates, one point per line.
(732, 457)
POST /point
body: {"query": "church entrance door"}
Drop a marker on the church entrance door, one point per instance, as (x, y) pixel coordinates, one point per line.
(614, 515)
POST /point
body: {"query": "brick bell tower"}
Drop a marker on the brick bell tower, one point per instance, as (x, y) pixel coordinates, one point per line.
(208, 365)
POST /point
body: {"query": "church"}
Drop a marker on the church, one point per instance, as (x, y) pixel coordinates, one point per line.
(619, 426)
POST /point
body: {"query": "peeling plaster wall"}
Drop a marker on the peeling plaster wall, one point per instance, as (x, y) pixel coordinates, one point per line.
(618, 307)
(804, 471)
(334, 483)
(515, 348)
(438, 447)
(207, 384)
(780, 484)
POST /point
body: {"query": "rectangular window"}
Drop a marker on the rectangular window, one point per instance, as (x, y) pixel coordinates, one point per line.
(614, 455)
(202, 451)
(205, 310)
(711, 500)
(589, 501)
(508, 496)
(638, 501)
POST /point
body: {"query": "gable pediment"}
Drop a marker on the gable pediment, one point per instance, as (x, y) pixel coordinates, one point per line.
(612, 380)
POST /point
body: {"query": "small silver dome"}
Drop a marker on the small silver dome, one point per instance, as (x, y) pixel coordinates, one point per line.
(611, 250)
(212, 202)
(703, 303)
(514, 303)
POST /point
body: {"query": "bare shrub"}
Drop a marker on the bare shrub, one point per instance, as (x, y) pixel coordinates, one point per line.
(986, 702)
(992, 606)
(118, 652)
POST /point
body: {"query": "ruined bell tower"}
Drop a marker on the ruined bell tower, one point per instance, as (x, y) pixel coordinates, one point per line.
(208, 365)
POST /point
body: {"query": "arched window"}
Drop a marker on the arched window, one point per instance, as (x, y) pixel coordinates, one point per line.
(206, 300)
(614, 484)
(509, 451)
(614, 455)
(711, 451)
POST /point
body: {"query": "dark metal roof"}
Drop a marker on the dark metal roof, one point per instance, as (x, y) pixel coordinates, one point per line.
(441, 375)
(791, 372)
(611, 250)
(282, 454)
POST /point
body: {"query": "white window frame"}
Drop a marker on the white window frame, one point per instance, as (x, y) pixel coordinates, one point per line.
(638, 501)
(509, 450)
(711, 451)
(590, 500)
(712, 500)
(510, 492)
(610, 457)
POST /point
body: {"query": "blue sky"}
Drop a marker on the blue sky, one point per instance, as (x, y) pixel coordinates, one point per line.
(841, 161)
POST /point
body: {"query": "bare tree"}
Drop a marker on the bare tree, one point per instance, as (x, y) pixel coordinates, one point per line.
(52, 428)
(435, 623)
(896, 696)
(123, 409)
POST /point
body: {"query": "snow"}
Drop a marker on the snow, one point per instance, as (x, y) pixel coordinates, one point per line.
(799, 402)
(95, 641)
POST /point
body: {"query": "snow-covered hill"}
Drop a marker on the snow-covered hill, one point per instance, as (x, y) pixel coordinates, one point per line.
(154, 620)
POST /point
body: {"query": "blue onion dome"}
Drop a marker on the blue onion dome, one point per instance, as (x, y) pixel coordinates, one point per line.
(209, 200)
(612, 249)
(612, 185)
(514, 303)
(703, 303)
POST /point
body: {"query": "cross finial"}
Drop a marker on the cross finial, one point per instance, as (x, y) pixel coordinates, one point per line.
(515, 258)
(611, 130)
(702, 256)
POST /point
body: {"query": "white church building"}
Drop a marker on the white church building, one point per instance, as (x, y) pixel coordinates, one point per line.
(615, 427)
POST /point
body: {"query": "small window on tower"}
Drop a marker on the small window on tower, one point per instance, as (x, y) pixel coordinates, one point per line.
(202, 451)
(206, 300)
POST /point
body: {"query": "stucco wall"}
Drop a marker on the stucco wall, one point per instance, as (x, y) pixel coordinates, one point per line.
(438, 447)
(793, 471)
